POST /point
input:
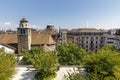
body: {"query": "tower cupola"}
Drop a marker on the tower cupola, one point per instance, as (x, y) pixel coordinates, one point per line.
(23, 23)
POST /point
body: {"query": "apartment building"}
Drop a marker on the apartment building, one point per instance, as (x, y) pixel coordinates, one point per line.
(90, 39)
(117, 39)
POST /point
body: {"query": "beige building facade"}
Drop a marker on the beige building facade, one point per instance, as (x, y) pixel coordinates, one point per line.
(90, 39)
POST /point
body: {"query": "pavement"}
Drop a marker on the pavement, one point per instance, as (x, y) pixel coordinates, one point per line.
(63, 71)
(24, 73)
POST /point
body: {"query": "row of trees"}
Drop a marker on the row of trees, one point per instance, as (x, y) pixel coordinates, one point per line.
(102, 65)
(48, 63)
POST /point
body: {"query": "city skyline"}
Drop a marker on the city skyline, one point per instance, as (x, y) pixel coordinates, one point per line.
(68, 14)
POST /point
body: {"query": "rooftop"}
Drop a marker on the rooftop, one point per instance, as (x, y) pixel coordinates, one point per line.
(88, 30)
(23, 20)
(36, 38)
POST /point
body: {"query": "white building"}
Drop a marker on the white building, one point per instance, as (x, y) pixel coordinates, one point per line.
(117, 39)
(7, 48)
(109, 39)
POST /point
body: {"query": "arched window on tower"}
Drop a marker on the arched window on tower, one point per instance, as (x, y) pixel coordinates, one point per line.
(22, 31)
(22, 25)
(26, 25)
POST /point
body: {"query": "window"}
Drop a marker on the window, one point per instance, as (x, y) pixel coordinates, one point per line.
(96, 46)
(110, 38)
(86, 41)
(22, 25)
(82, 42)
(82, 37)
(82, 46)
(91, 37)
(102, 37)
(87, 50)
(86, 46)
(96, 42)
(25, 24)
(109, 42)
(91, 42)
(22, 31)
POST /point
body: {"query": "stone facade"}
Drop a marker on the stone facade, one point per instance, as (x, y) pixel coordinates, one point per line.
(24, 36)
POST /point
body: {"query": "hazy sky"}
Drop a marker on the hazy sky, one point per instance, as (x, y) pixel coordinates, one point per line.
(70, 14)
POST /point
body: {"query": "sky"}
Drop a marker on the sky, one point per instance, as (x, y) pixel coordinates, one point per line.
(67, 14)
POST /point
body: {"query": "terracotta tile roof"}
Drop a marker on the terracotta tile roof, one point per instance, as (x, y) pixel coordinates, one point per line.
(8, 38)
(42, 39)
(36, 38)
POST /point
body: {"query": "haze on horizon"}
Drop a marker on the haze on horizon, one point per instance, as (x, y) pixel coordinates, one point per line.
(68, 14)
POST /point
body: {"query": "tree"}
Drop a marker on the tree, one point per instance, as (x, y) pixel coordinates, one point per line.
(103, 65)
(28, 58)
(70, 54)
(7, 65)
(45, 63)
(74, 76)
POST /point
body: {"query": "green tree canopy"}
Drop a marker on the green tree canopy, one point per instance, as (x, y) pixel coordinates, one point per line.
(70, 54)
(45, 63)
(41, 59)
(7, 65)
(103, 65)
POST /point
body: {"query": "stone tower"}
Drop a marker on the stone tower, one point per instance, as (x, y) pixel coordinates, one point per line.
(24, 36)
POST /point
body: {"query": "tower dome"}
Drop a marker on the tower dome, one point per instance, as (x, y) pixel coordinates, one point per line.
(23, 20)
(23, 23)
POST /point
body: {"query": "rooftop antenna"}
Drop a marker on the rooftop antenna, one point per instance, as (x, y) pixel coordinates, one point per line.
(87, 24)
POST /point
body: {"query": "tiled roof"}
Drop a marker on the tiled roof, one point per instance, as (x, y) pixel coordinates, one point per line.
(88, 30)
(42, 39)
(8, 38)
(36, 38)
